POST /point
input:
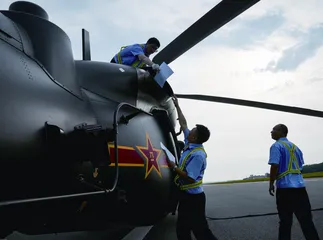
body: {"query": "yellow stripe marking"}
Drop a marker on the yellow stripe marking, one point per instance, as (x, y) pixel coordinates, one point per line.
(127, 165)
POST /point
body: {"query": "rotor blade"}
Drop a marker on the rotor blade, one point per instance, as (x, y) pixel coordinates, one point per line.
(282, 108)
(218, 16)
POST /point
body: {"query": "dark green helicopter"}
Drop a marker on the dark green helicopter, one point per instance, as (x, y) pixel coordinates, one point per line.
(80, 139)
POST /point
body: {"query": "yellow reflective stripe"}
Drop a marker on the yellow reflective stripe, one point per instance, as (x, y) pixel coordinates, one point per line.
(295, 159)
(189, 154)
(137, 63)
(119, 55)
(292, 159)
(190, 185)
(181, 167)
(288, 172)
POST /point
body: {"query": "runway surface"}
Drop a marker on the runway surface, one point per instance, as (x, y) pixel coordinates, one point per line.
(231, 200)
(227, 200)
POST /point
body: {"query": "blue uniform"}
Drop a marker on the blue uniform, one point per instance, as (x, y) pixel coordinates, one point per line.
(279, 154)
(191, 209)
(130, 54)
(291, 194)
(195, 164)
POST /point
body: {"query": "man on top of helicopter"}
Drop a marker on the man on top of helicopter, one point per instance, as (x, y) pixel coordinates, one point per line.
(137, 55)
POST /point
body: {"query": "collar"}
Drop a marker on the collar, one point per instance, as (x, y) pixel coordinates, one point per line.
(282, 139)
(191, 146)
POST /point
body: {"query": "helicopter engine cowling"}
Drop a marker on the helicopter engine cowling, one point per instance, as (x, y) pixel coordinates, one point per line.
(45, 42)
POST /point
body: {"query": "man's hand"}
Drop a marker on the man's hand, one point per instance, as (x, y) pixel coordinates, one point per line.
(155, 67)
(175, 100)
(271, 189)
(178, 171)
(170, 163)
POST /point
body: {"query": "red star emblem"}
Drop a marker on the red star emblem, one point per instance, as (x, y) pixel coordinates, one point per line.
(151, 155)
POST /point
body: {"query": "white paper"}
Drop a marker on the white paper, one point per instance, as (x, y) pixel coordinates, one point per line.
(164, 73)
(170, 156)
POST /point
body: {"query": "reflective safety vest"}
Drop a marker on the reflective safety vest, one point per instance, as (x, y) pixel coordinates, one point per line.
(181, 167)
(292, 159)
(138, 63)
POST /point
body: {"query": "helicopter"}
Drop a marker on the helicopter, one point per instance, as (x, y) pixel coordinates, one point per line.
(80, 145)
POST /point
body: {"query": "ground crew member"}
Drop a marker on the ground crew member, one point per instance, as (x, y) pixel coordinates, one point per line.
(286, 161)
(137, 55)
(189, 175)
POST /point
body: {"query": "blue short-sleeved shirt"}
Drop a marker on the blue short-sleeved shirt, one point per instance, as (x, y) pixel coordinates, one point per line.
(195, 164)
(279, 154)
(130, 54)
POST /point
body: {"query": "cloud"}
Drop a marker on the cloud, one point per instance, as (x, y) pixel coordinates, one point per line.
(245, 32)
(315, 79)
(281, 88)
(294, 56)
(302, 14)
(109, 29)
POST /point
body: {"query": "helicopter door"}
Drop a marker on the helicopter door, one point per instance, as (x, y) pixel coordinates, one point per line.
(169, 132)
(176, 147)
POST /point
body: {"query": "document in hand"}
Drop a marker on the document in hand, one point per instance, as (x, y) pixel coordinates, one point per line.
(164, 73)
(170, 156)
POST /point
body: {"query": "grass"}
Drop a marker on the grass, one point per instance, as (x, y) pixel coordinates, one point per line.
(313, 175)
(305, 175)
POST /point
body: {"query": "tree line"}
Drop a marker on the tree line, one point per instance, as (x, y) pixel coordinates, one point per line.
(313, 168)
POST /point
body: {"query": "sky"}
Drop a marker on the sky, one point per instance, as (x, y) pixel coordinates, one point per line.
(272, 53)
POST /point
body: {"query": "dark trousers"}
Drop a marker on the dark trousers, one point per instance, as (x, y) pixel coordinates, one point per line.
(295, 200)
(191, 217)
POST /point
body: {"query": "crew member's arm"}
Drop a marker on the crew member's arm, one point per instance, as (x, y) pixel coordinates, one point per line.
(192, 169)
(183, 174)
(274, 160)
(137, 50)
(145, 59)
(181, 118)
(273, 174)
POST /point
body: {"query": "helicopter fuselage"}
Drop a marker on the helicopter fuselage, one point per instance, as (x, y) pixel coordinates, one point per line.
(62, 120)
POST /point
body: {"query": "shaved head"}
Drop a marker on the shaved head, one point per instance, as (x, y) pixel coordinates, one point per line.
(279, 131)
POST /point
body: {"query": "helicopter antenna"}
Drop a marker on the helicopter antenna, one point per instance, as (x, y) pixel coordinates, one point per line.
(86, 45)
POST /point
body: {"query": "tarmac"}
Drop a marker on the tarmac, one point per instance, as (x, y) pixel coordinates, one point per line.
(223, 201)
(241, 199)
